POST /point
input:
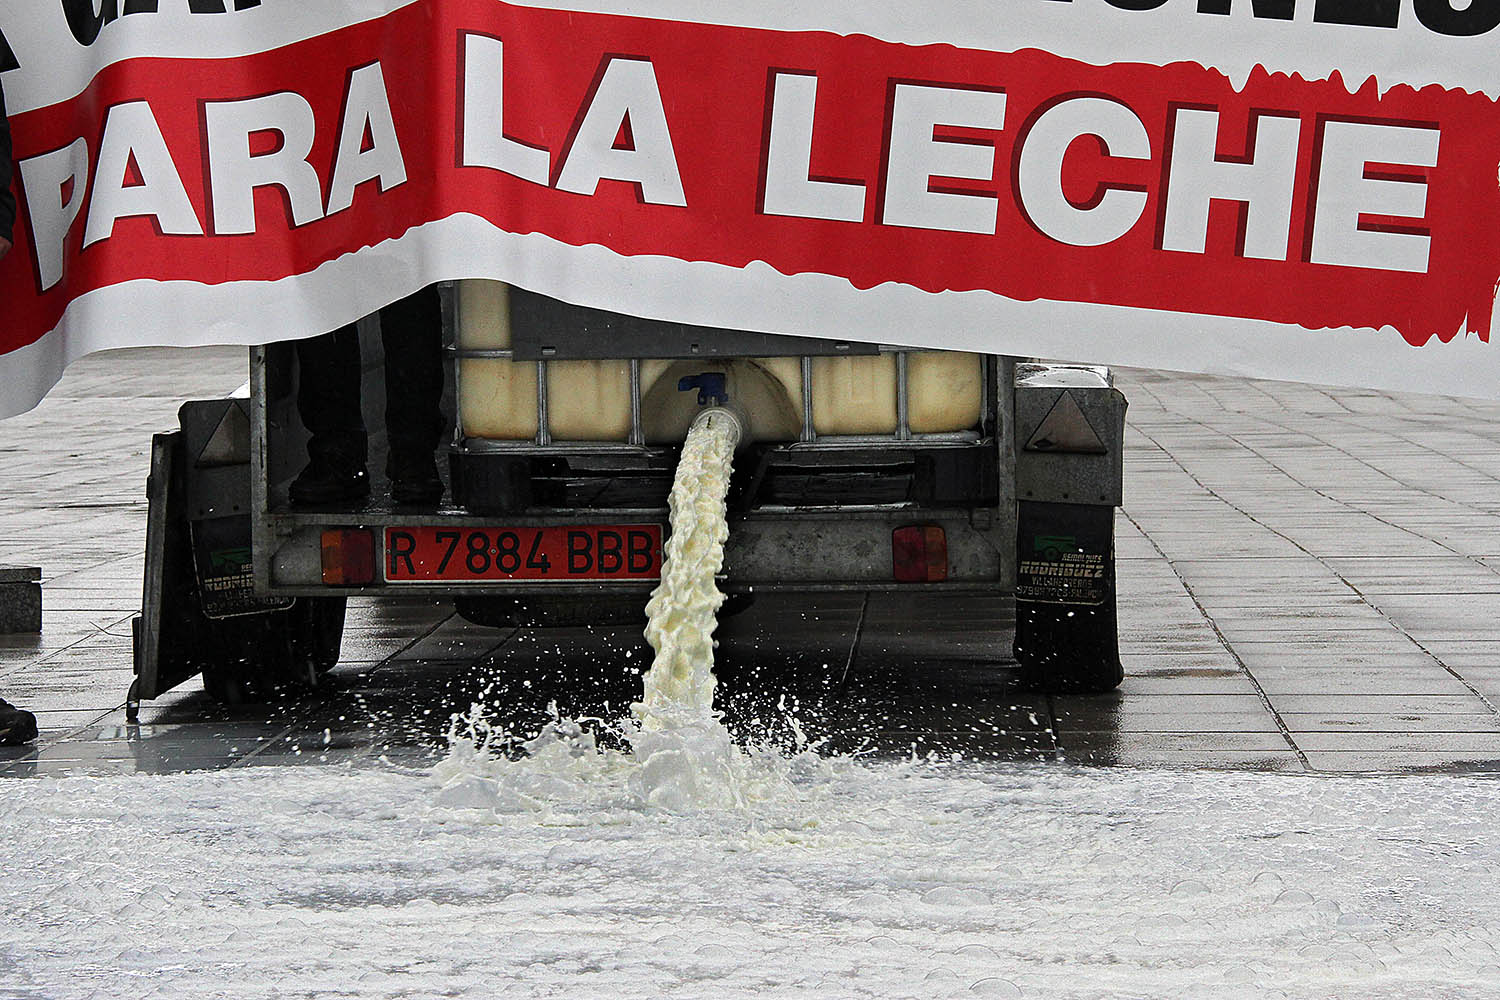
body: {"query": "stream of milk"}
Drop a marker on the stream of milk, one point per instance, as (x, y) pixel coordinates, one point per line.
(682, 613)
(681, 755)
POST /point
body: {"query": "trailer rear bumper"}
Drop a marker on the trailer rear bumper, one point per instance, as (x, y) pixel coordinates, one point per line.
(767, 551)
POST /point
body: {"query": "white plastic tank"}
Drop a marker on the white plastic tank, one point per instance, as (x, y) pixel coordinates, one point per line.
(590, 400)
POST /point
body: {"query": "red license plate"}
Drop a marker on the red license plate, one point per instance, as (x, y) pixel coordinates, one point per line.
(429, 554)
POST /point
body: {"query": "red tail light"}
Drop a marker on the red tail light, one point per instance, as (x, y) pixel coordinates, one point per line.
(919, 554)
(348, 557)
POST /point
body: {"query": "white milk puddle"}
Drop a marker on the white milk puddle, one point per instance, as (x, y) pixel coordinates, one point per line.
(695, 868)
(873, 881)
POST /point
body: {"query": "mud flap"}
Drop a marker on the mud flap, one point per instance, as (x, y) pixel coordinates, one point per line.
(199, 609)
(163, 632)
(1067, 633)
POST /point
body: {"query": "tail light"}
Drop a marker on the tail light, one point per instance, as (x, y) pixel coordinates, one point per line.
(919, 554)
(348, 557)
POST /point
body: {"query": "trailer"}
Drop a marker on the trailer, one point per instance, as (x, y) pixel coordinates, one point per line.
(865, 466)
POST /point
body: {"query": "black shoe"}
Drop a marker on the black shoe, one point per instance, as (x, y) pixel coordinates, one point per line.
(415, 481)
(321, 485)
(16, 726)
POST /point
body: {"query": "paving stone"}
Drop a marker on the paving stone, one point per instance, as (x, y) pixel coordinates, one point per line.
(20, 599)
(1403, 723)
(1129, 755)
(1405, 760)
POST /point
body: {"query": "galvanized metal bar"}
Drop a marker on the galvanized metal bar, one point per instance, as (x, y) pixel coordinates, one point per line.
(487, 446)
(452, 323)
(986, 374)
(903, 402)
(1005, 441)
(483, 353)
(262, 535)
(947, 439)
(637, 432)
(543, 430)
(807, 400)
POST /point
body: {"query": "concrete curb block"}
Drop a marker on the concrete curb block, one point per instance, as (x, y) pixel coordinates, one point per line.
(20, 599)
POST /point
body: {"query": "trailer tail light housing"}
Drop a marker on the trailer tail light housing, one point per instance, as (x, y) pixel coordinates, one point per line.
(348, 557)
(919, 554)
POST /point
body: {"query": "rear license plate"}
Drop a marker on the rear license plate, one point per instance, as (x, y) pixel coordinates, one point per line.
(429, 554)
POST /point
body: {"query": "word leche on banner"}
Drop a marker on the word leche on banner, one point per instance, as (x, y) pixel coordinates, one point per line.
(1024, 174)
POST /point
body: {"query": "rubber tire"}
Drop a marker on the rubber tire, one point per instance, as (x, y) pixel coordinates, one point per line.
(275, 656)
(247, 660)
(317, 629)
(553, 612)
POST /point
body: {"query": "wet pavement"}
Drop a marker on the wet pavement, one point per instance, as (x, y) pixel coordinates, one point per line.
(1309, 581)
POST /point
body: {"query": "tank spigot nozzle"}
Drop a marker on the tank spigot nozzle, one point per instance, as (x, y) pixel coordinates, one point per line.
(710, 385)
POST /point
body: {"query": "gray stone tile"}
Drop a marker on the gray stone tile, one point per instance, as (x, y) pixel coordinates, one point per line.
(1406, 760)
(1356, 704)
(1357, 682)
(1163, 701)
(1237, 741)
(1332, 723)
(1474, 745)
(1127, 755)
(1103, 720)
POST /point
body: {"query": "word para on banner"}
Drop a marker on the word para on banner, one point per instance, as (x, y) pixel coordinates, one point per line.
(246, 145)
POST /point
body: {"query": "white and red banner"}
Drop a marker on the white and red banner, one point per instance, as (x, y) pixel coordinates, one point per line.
(1302, 189)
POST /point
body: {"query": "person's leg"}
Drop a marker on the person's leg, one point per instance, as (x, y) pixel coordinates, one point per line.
(16, 726)
(328, 403)
(411, 331)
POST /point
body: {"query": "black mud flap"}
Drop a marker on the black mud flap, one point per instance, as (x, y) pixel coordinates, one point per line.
(199, 609)
(1067, 634)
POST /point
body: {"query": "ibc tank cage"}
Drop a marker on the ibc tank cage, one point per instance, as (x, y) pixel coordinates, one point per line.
(571, 408)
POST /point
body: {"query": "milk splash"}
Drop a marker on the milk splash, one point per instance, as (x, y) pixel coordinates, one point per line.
(682, 757)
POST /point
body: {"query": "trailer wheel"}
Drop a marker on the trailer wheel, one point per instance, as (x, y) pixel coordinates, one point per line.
(572, 610)
(228, 686)
(274, 656)
(317, 629)
(561, 610)
(246, 660)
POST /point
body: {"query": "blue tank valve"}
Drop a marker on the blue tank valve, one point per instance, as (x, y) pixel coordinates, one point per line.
(710, 386)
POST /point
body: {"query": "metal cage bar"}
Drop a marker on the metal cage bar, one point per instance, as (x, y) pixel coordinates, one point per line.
(637, 432)
(808, 434)
(543, 424)
(903, 399)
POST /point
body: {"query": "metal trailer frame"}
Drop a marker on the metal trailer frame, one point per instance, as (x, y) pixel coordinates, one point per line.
(1046, 458)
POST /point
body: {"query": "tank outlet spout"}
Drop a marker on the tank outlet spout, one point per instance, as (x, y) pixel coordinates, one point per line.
(729, 417)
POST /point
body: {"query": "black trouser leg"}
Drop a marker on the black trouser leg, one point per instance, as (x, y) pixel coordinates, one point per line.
(412, 333)
(328, 399)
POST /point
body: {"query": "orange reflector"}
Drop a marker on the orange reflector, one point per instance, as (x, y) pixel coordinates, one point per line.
(348, 557)
(919, 554)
